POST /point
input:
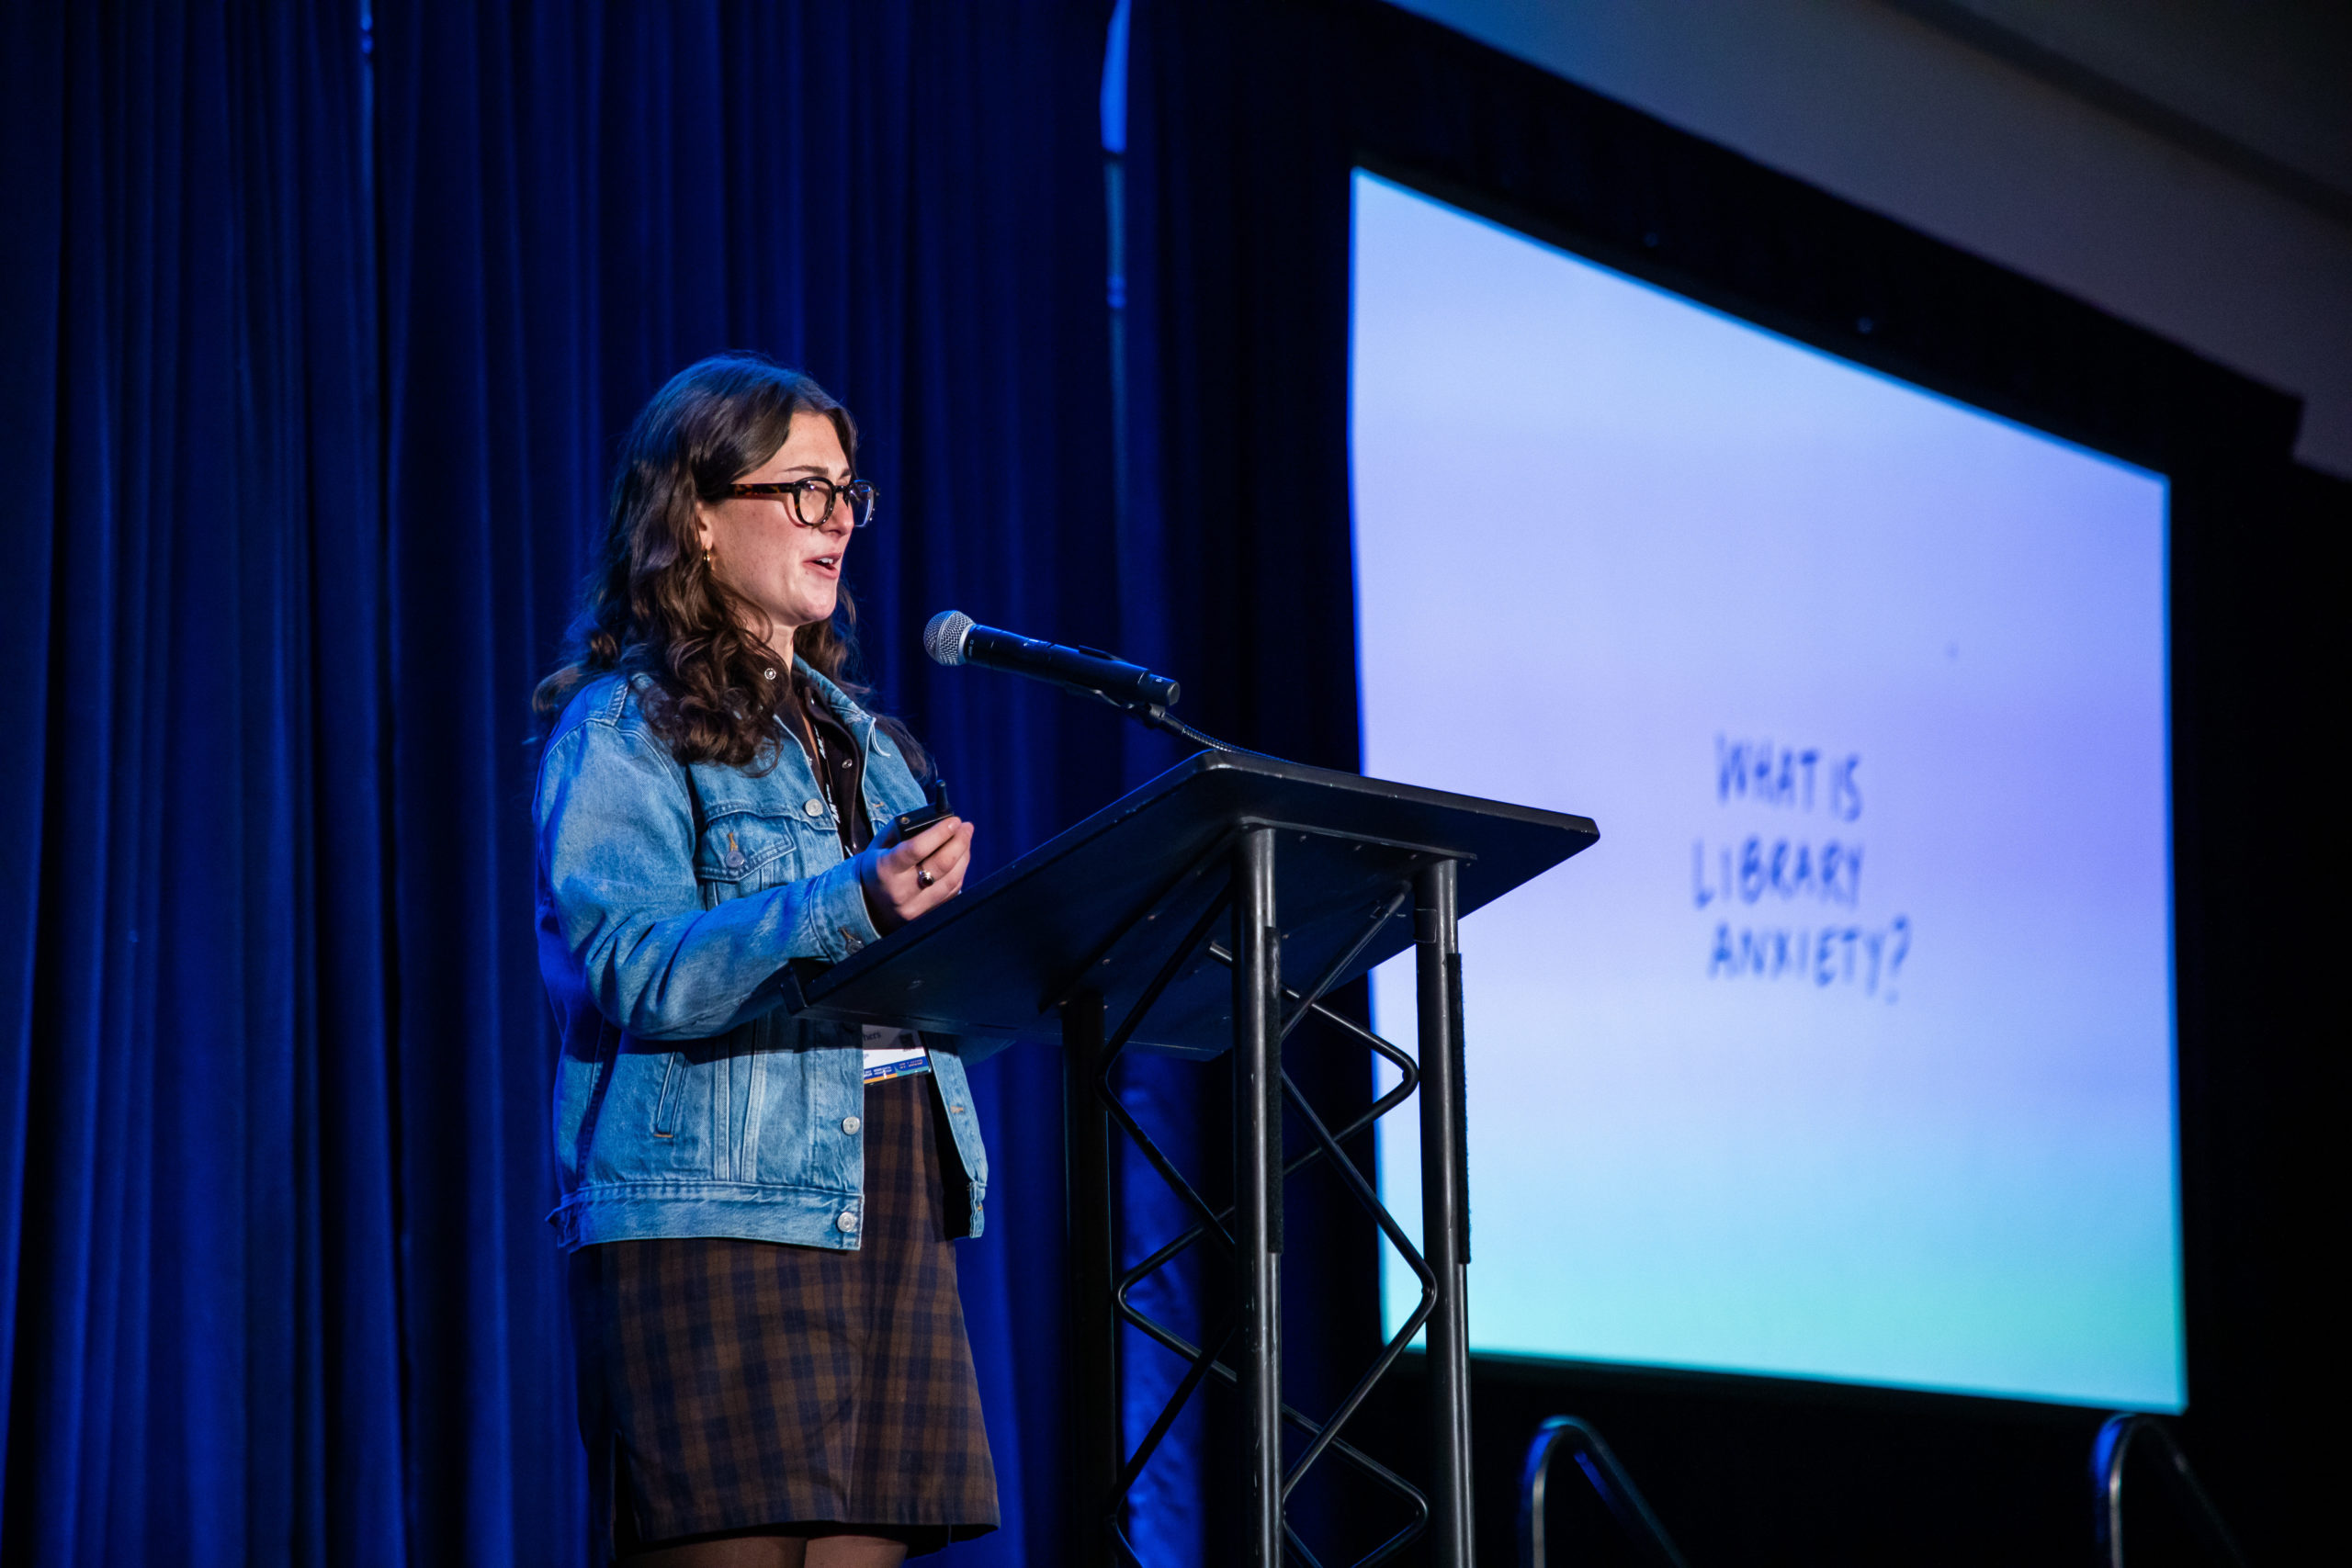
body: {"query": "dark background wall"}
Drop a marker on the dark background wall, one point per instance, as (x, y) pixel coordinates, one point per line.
(2185, 164)
(1244, 123)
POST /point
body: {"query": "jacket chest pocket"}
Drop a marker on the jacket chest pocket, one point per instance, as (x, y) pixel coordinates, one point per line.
(746, 849)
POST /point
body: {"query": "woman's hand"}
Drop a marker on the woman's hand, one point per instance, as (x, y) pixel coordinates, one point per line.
(902, 881)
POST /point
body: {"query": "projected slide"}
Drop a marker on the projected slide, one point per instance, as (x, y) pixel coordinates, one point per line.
(1848, 1053)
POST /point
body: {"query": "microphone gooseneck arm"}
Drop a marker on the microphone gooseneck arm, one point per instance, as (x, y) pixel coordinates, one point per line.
(1161, 719)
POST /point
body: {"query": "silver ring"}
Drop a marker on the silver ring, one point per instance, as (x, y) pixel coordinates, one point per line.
(923, 878)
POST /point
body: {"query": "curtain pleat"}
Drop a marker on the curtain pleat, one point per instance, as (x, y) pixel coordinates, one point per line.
(199, 1307)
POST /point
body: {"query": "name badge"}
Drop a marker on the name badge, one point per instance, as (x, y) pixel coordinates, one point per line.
(896, 1059)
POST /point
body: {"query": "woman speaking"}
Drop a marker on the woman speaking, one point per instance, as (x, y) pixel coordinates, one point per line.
(772, 1359)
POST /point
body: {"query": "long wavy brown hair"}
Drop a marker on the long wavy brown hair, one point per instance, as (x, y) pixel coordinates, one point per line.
(653, 607)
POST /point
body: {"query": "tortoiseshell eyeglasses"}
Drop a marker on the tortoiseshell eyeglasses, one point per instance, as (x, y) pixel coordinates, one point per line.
(813, 499)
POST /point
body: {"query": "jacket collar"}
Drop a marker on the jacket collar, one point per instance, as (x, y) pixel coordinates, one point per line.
(851, 714)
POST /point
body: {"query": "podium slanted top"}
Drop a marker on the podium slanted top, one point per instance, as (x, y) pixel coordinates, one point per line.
(1101, 905)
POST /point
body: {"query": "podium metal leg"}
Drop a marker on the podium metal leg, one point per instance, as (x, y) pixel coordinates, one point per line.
(1445, 1209)
(1100, 1470)
(1096, 1440)
(1258, 1191)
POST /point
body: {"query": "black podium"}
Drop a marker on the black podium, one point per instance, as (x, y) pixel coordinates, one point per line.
(1300, 869)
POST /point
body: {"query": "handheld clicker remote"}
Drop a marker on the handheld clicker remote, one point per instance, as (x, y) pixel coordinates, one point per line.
(906, 824)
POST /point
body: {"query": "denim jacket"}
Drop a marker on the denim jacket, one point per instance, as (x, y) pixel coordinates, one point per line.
(685, 1104)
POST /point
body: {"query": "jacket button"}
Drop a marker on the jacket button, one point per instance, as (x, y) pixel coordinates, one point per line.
(850, 1124)
(814, 807)
(848, 1222)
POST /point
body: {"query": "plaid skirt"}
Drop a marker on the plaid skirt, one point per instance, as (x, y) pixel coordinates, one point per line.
(745, 1386)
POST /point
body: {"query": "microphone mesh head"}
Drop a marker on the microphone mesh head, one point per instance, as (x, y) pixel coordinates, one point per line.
(943, 638)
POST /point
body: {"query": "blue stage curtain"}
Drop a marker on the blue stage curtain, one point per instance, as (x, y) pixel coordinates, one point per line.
(315, 363)
(199, 1301)
(578, 201)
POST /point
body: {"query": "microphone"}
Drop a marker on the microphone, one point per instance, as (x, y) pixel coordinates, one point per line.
(952, 638)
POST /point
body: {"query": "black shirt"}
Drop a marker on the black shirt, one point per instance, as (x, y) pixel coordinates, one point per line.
(840, 767)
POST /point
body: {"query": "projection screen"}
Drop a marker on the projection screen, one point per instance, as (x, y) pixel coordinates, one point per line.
(1848, 1053)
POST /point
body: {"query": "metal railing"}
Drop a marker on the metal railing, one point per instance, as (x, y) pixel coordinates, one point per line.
(1615, 1488)
(1609, 1479)
(2109, 1451)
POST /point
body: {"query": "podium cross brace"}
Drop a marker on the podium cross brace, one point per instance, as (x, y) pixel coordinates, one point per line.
(1262, 1022)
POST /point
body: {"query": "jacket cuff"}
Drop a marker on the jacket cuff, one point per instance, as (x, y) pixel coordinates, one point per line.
(839, 919)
